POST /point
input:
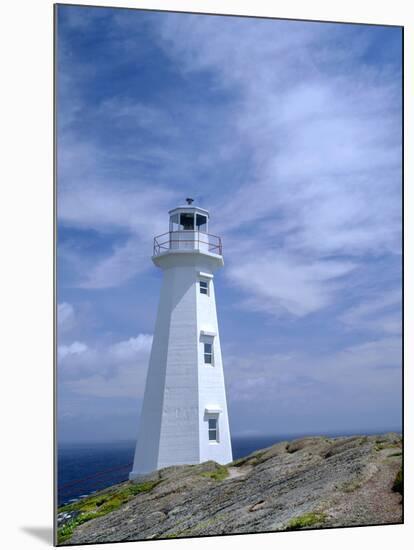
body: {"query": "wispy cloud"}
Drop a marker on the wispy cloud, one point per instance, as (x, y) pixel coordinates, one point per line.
(129, 113)
(290, 133)
(114, 370)
(283, 372)
(380, 314)
(280, 283)
(334, 391)
(76, 348)
(308, 113)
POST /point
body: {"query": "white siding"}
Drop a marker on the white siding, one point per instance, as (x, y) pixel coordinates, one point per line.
(211, 383)
(173, 428)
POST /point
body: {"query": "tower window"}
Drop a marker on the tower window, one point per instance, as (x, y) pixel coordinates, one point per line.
(212, 429)
(204, 287)
(208, 353)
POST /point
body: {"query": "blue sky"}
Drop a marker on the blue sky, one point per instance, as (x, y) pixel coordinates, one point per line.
(290, 134)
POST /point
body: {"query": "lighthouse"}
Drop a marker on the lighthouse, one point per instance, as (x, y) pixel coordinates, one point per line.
(184, 413)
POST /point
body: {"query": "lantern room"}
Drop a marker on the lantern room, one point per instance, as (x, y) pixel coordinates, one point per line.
(189, 218)
(188, 231)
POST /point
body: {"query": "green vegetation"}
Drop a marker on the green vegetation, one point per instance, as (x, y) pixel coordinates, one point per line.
(306, 520)
(398, 485)
(99, 505)
(395, 454)
(65, 532)
(219, 474)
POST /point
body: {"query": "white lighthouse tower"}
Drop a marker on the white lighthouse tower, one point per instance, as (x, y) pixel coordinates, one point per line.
(184, 415)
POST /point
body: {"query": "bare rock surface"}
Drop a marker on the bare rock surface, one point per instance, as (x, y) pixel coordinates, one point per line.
(307, 483)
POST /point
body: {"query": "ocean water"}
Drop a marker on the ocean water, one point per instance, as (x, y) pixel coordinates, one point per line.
(85, 468)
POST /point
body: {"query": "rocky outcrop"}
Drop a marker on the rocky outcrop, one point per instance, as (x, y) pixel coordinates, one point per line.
(308, 483)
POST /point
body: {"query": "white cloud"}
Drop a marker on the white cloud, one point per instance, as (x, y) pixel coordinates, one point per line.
(304, 112)
(288, 284)
(105, 206)
(294, 146)
(76, 348)
(126, 113)
(85, 202)
(369, 370)
(379, 314)
(112, 370)
(129, 349)
(126, 261)
(325, 170)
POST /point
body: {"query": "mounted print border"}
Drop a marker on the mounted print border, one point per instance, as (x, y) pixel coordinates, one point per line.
(228, 210)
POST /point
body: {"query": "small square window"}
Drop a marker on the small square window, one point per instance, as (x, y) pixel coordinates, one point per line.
(204, 287)
(212, 429)
(208, 353)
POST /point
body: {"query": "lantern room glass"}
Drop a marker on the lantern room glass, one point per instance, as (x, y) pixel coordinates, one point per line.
(188, 221)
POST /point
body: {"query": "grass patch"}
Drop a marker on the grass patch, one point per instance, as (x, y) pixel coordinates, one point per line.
(66, 531)
(395, 454)
(99, 505)
(306, 520)
(398, 485)
(88, 504)
(219, 474)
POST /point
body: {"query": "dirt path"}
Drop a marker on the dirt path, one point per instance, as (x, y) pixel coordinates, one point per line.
(238, 472)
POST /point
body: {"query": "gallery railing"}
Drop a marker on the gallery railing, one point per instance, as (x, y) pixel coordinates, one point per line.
(187, 240)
